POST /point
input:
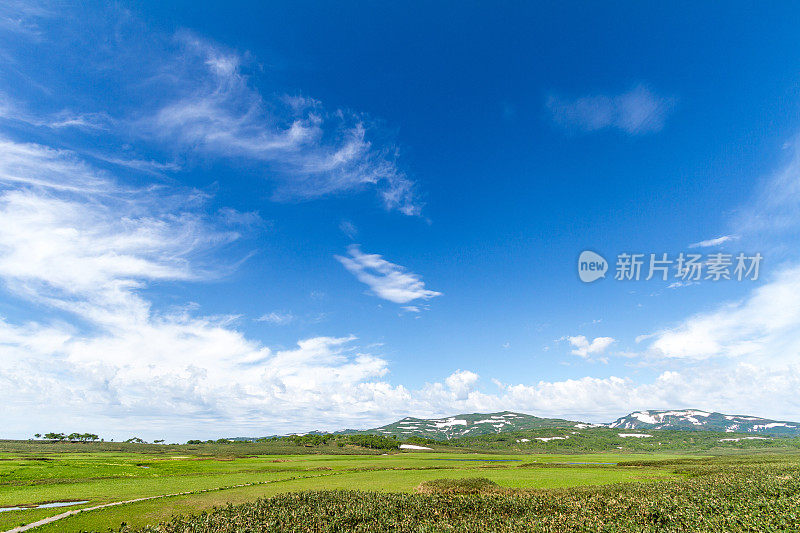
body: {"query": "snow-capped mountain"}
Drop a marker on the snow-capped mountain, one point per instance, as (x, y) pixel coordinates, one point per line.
(475, 424)
(694, 419)
(468, 425)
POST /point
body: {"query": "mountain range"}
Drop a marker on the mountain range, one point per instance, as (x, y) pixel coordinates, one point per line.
(475, 424)
(693, 419)
(468, 425)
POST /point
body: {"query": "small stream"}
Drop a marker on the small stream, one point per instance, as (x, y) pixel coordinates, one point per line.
(50, 505)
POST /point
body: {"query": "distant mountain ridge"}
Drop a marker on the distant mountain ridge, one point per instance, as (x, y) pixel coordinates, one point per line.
(468, 425)
(475, 424)
(698, 420)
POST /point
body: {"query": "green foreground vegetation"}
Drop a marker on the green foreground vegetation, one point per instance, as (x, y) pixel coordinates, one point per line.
(763, 497)
(360, 488)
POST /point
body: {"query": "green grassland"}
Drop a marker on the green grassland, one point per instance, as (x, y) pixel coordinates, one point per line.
(214, 475)
(725, 496)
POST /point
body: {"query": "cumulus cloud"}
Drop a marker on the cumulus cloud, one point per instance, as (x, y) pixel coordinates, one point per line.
(636, 112)
(461, 383)
(586, 348)
(386, 280)
(106, 354)
(742, 388)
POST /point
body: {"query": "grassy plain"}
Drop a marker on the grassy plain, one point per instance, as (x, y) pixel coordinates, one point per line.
(32, 473)
(725, 496)
(209, 476)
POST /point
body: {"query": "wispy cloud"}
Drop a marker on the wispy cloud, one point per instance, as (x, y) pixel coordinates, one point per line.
(309, 150)
(386, 280)
(35, 165)
(714, 242)
(20, 17)
(15, 111)
(636, 112)
(348, 228)
(774, 213)
(681, 284)
(192, 97)
(276, 318)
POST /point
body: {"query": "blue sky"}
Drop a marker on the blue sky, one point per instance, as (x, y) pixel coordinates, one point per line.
(271, 217)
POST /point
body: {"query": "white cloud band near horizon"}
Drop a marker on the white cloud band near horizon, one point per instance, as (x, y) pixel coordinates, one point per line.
(78, 250)
(101, 357)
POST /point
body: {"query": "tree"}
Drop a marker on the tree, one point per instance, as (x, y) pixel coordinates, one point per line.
(377, 442)
(38, 435)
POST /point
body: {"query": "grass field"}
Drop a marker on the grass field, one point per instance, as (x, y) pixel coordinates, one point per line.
(724, 498)
(215, 475)
(36, 473)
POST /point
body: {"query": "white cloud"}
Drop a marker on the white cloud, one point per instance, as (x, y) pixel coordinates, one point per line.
(585, 348)
(714, 242)
(29, 164)
(276, 318)
(107, 356)
(461, 383)
(743, 388)
(187, 97)
(311, 151)
(13, 110)
(82, 250)
(103, 358)
(386, 280)
(637, 111)
(680, 284)
(766, 325)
